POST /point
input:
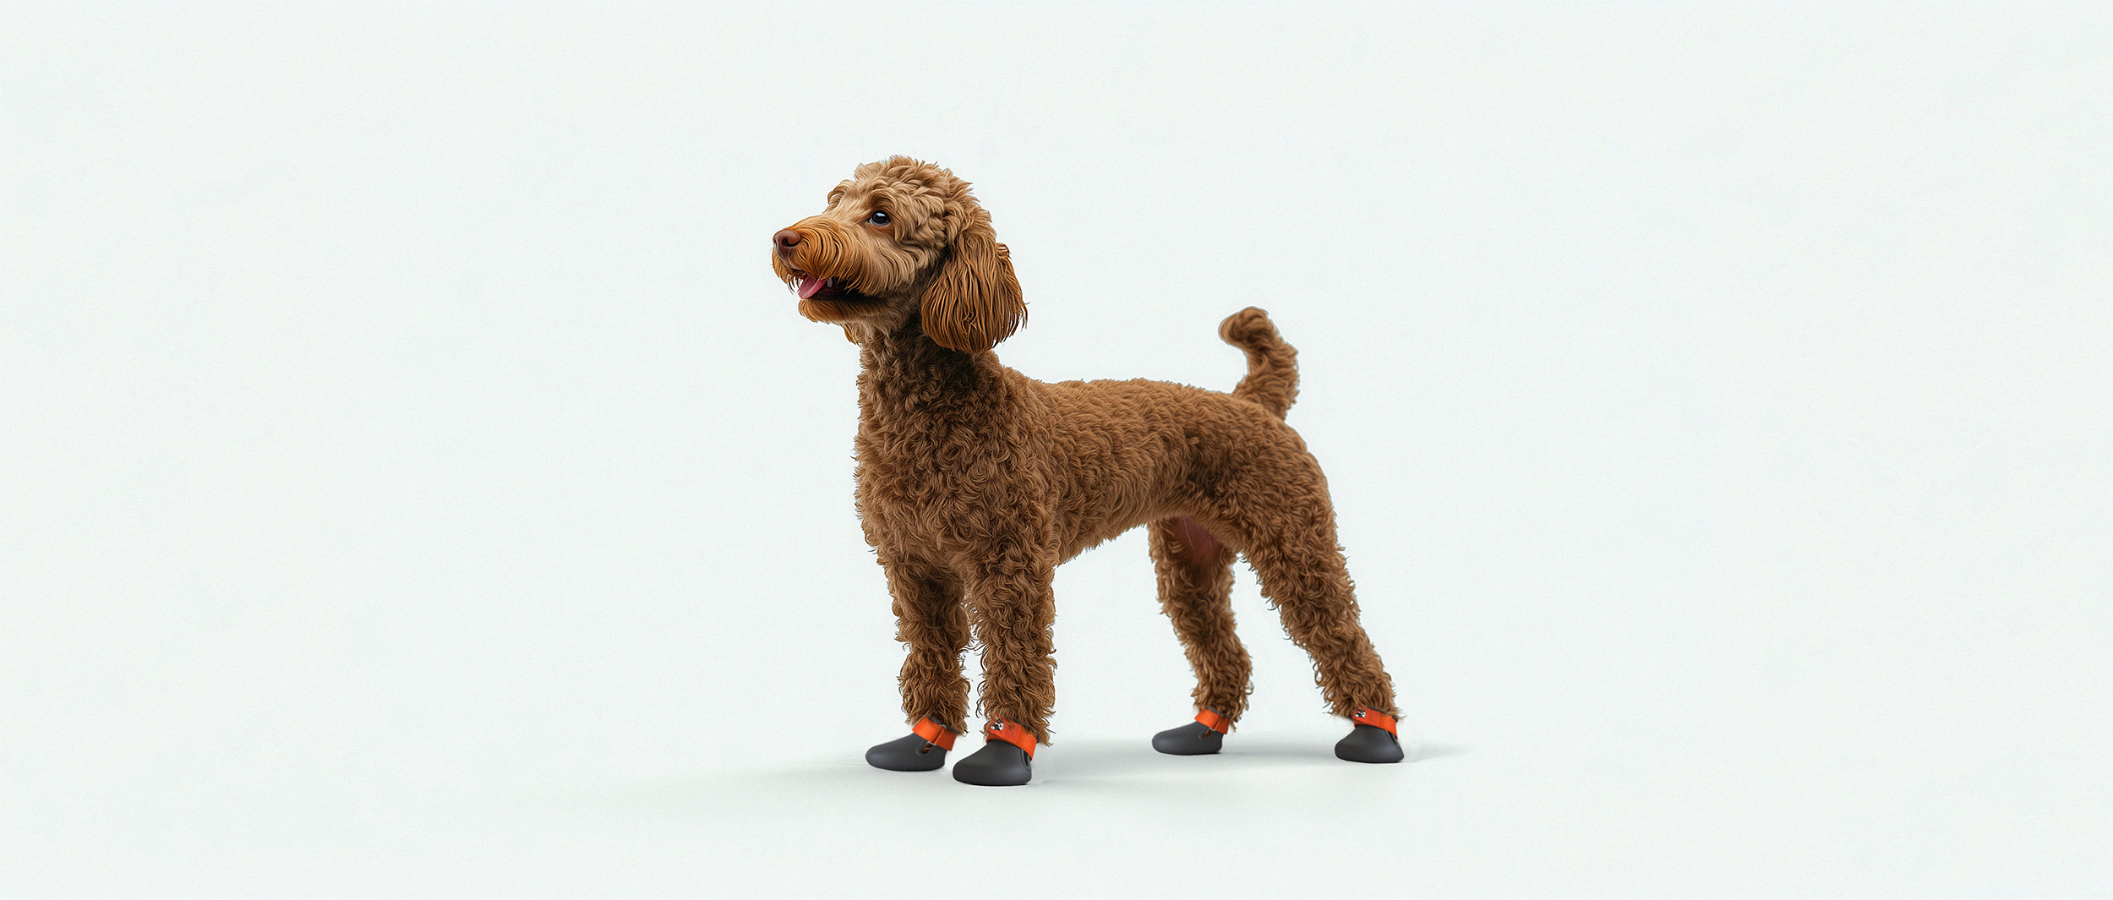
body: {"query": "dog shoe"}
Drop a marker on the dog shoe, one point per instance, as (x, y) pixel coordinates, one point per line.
(922, 750)
(998, 764)
(1193, 739)
(1371, 739)
(1204, 736)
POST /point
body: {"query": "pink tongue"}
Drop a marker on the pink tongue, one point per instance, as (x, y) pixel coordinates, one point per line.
(811, 286)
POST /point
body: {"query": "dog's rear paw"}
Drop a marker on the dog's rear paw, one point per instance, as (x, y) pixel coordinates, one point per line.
(909, 753)
(998, 764)
(1192, 739)
(1369, 744)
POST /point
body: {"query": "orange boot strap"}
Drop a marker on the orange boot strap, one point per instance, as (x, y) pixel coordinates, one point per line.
(1375, 718)
(1215, 722)
(1010, 732)
(934, 733)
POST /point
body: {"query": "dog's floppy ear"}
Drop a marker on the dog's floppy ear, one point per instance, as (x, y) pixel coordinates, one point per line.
(974, 300)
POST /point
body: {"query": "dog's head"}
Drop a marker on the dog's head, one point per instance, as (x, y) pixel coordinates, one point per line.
(903, 239)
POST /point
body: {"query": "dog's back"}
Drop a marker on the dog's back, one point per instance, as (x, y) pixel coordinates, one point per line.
(1124, 453)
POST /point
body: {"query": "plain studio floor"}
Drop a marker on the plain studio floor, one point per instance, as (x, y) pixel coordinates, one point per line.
(414, 483)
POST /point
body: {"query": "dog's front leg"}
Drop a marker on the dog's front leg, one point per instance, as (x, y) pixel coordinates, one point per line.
(1012, 609)
(931, 621)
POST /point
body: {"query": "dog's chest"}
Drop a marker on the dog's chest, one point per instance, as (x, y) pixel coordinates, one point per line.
(934, 482)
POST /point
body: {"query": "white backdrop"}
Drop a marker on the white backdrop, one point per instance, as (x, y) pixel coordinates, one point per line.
(413, 481)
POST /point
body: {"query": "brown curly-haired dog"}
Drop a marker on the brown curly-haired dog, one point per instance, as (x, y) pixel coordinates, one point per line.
(975, 481)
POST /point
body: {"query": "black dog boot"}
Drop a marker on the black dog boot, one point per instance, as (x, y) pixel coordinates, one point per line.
(1371, 739)
(1198, 738)
(922, 750)
(1005, 760)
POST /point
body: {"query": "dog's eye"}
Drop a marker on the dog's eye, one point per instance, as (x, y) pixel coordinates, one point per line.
(877, 218)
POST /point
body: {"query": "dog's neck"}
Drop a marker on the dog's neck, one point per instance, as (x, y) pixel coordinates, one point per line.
(904, 374)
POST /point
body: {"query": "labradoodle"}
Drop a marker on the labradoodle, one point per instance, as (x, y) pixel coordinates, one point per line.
(975, 482)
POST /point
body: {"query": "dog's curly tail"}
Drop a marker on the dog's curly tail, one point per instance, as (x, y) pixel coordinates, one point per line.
(1272, 366)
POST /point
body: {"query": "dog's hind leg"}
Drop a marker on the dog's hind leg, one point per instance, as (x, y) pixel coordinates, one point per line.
(930, 618)
(1195, 590)
(1294, 554)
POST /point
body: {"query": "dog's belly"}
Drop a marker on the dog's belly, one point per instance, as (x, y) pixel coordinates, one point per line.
(1199, 547)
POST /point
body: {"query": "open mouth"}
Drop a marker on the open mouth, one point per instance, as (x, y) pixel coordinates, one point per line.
(810, 287)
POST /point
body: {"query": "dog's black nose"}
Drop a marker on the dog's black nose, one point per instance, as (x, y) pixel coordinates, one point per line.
(786, 239)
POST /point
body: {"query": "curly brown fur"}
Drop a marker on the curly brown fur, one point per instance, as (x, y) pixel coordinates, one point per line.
(975, 482)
